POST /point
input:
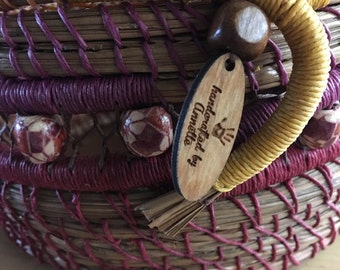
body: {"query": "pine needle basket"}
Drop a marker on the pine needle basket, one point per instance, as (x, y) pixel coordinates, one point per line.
(88, 62)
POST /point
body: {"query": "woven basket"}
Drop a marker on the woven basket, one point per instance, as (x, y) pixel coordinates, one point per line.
(88, 62)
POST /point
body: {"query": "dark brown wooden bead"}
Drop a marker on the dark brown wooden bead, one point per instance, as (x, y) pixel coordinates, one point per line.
(240, 27)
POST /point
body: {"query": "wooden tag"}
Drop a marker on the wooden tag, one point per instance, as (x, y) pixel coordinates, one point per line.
(207, 126)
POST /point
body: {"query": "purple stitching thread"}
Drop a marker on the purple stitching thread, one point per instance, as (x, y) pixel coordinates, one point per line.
(85, 61)
(162, 20)
(195, 13)
(71, 28)
(57, 45)
(177, 61)
(253, 83)
(36, 64)
(282, 71)
(31, 46)
(332, 92)
(265, 231)
(293, 215)
(75, 95)
(329, 37)
(81, 42)
(331, 10)
(151, 59)
(15, 64)
(113, 30)
(25, 30)
(128, 173)
(169, 44)
(12, 45)
(4, 31)
(220, 239)
(63, 62)
(143, 28)
(43, 26)
(139, 22)
(74, 207)
(332, 235)
(177, 13)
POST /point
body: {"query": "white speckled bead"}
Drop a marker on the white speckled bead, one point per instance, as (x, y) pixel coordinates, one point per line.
(39, 138)
(322, 130)
(147, 132)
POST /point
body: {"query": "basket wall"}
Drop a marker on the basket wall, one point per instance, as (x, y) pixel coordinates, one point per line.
(272, 229)
(267, 224)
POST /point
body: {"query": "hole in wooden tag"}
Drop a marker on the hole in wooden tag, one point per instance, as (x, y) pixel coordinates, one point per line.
(207, 126)
(229, 64)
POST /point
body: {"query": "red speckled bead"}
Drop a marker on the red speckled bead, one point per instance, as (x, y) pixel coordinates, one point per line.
(147, 132)
(39, 138)
(322, 130)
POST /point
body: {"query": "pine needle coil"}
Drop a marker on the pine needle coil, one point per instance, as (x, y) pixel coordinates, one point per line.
(94, 249)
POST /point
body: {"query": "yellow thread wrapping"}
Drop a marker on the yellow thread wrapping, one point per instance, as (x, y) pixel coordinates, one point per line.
(308, 42)
(317, 4)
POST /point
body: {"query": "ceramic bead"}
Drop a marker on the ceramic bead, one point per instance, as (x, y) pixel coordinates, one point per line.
(147, 132)
(322, 130)
(240, 27)
(39, 138)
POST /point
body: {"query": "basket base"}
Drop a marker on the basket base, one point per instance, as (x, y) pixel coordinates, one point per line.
(271, 229)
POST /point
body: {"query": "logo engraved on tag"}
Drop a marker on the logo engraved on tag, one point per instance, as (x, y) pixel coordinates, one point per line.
(225, 135)
(207, 126)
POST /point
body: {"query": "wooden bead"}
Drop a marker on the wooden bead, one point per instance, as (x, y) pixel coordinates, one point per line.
(39, 138)
(147, 132)
(240, 27)
(322, 130)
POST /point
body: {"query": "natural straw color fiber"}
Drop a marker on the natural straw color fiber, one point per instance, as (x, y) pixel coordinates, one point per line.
(269, 71)
(304, 33)
(272, 229)
(6, 5)
(88, 209)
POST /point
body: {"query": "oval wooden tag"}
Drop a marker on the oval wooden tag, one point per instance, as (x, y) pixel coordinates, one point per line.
(207, 126)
